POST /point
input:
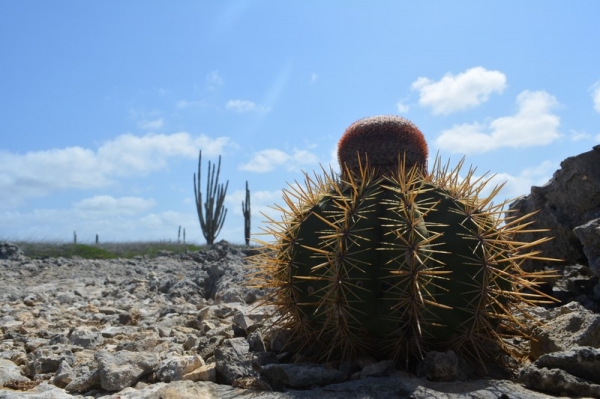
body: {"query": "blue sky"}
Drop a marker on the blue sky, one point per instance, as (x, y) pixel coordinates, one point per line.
(105, 104)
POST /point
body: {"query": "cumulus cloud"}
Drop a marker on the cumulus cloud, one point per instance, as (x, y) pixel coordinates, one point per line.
(134, 155)
(109, 206)
(514, 185)
(455, 93)
(596, 96)
(267, 160)
(534, 124)
(244, 106)
(521, 183)
(100, 216)
(38, 173)
(151, 125)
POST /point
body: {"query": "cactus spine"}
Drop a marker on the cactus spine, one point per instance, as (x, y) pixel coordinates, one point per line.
(390, 260)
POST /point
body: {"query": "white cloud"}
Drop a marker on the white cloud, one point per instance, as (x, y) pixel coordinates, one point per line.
(245, 106)
(596, 95)
(515, 185)
(111, 224)
(313, 77)
(334, 163)
(455, 93)
(260, 201)
(267, 160)
(151, 125)
(109, 206)
(577, 135)
(518, 185)
(402, 108)
(134, 155)
(533, 125)
(38, 173)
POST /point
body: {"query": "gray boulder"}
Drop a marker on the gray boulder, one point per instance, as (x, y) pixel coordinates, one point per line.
(175, 368)
(41, 391)
(577, 326)
(122, 369)
(300, 375)
(85, 338)
(234, 360)
(47, 359)
(581, 361)
(558, 382)
(570, 199)
(10, 372)
(589, 236)
(443, 366)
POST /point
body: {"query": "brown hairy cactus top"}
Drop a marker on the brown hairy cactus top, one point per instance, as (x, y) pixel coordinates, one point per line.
(381, 141)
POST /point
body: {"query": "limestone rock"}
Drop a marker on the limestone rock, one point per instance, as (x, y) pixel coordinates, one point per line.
(175, 368)
(582, 362)
(208, 372)
(85, 338)
(570, 199)
(300, 375)
(378, 369)
(589, 236)
(116, 328)
(41, 391)
(558, 382)
(47, 359)
(234, 360)
(442, 366)
(10, 372)
(122, 369)
(84, 382)
(578, 327)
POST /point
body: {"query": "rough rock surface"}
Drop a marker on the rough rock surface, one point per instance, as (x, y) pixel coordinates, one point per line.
(180, 326)
(565, 327)
(570, 199)
(589, 236)
(569, 208)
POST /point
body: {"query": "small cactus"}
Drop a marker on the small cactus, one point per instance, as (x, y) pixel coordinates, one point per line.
(391, 260)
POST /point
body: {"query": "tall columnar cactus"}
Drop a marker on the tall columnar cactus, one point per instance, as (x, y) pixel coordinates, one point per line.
(211, 223)
(391, 260)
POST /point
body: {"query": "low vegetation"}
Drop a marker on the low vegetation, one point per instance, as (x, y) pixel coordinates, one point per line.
(109, 250)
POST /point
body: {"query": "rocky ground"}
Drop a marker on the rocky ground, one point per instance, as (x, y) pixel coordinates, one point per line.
(185, 326)
(180, 326)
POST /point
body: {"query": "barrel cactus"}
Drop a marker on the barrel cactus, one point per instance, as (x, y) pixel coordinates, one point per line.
(388, 259)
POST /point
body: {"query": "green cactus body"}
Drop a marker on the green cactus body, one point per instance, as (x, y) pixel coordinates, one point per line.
(394, 264)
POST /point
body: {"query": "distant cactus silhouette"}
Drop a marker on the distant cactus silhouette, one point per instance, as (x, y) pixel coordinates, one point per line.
(391, 260)
(246, 212)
